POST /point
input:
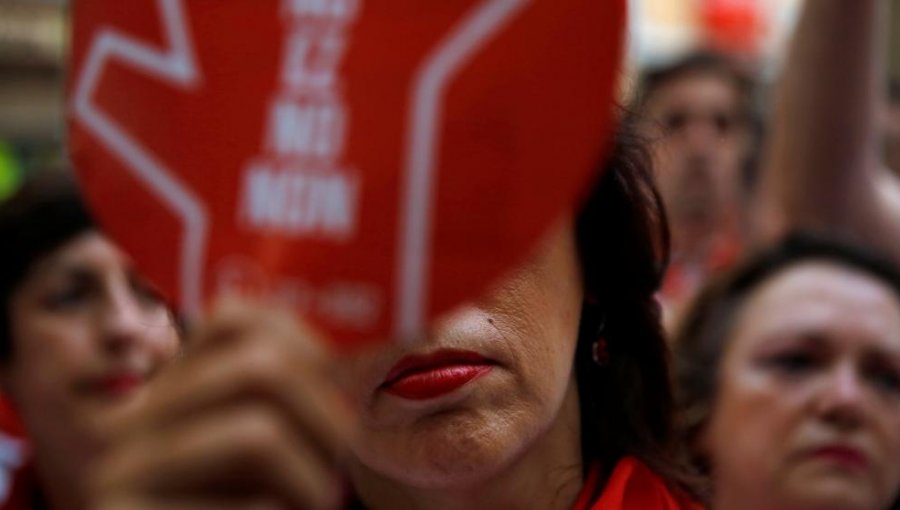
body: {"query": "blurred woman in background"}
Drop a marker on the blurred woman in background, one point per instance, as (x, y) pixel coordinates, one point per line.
(81, 332)
(789, 379)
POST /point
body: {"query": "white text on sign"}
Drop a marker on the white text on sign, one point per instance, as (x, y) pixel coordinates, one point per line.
(298, 186)
(301, 203)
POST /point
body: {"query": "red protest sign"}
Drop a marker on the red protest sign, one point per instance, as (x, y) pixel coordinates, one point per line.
(371, 162)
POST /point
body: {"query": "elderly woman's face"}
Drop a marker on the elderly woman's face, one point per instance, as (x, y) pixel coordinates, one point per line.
(808, 409)
(486, 386)
(87, 332)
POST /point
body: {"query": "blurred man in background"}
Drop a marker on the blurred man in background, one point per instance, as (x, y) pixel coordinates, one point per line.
(698, 115)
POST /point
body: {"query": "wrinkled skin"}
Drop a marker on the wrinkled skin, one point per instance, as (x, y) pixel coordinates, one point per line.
(807, 414)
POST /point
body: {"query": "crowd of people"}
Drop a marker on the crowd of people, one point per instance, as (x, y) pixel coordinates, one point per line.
(717, 325)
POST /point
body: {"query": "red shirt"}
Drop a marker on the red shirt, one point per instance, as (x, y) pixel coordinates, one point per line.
(16, 479)
(631, 486)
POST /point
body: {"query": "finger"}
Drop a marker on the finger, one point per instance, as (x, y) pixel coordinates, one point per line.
(250, 372)
(131, 502)
(232, 316)
(245, 453)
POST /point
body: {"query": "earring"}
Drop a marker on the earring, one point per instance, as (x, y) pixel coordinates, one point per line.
(600, 353)
(600, 348)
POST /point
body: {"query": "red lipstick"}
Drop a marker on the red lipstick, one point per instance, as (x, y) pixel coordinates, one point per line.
(116, 385)
(436, 374)
(843, 455)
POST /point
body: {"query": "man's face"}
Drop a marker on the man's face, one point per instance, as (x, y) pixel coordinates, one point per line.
(699, 137)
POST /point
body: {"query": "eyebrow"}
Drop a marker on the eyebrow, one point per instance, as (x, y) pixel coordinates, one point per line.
(820, 339)
(782, 339)
(60, 265)
(74, 270)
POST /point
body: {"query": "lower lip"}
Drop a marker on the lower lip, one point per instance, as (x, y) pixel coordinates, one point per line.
(120, 386)
(436, 382)
(843, 456)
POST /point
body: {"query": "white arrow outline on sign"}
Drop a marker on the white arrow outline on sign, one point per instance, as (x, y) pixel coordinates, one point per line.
(176, 65)
(461, 45)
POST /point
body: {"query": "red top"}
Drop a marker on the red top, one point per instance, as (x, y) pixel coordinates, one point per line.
(631, 486)
(16, 477)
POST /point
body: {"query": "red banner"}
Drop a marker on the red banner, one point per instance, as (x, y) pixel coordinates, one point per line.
(371, 162)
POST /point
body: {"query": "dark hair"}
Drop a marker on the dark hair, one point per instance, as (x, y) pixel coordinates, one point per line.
(42, 216)
(627, 405)
(707, 328)
(701, 62)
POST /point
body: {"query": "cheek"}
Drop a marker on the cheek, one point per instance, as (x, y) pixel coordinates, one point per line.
(762, 415)
(890, 424)
(166, 343)
(665, 154)
(48, 358)
(544, 353)
(548, 368)
(50, 346)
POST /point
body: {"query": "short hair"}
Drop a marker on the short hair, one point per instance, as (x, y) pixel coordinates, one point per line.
(700, 62)
(45, 213)
(708, 327)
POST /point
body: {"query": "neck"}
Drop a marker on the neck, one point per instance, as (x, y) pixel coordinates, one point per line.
(737, 497)
(694, 240)
(60, 478)
(62, 455)
(547, 476)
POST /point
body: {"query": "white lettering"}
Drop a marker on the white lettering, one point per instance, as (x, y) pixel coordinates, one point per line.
(311, 61)
(294, 203)
(298, 186)
(349, 304)
(337, 9)
(313, 130)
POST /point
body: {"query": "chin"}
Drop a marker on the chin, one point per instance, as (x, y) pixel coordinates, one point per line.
(445, 451)
(835, 494)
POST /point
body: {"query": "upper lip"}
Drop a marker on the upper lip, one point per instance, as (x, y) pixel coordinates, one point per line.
(423, 362)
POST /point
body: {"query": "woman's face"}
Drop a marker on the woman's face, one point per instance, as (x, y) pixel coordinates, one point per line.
(487, 385)
(87, 332)
(808, 406)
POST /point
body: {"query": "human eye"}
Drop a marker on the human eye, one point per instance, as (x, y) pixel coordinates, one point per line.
(67, 296)
(675, 121)
(792, 362)
(724, 123)
(885, 378)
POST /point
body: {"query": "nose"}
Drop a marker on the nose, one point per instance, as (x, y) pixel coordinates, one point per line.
(702, 135)
(842, 399)
(124, 323)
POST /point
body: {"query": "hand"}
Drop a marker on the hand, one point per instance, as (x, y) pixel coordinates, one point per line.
(247, 418)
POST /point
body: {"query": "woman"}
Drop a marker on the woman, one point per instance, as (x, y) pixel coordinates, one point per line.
(789, 379)
(80, 331)
(551, 392)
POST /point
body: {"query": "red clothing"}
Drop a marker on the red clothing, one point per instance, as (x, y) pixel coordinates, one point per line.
(16, 480)
(631, 486)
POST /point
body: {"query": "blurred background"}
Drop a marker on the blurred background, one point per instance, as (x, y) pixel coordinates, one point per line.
(33, 35)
